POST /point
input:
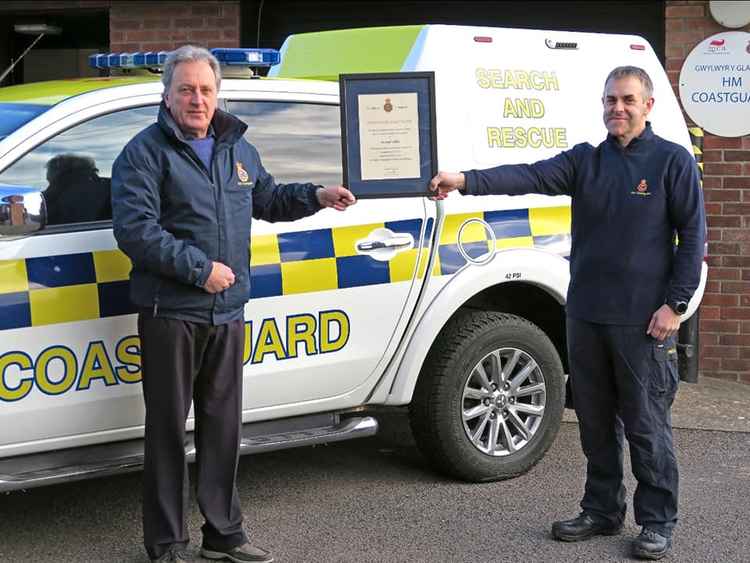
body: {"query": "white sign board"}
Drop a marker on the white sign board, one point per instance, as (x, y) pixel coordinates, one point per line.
(715, 84)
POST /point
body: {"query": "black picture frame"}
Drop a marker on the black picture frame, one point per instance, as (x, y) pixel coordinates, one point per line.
(351, 86)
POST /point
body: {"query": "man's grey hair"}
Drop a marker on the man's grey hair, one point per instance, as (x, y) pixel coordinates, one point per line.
(636, 72)
(189, 54)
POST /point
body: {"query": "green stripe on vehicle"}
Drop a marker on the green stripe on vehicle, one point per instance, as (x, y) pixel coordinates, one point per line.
(325, 55)
(52, 92)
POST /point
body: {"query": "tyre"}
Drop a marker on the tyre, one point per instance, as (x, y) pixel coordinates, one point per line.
(490, 397)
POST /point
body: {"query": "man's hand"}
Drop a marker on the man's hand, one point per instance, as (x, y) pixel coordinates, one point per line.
(220, 278)
(446, 182)
(664, 323)
(337, 197)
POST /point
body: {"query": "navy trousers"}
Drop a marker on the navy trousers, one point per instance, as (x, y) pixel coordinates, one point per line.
(624, 382)
(184, 361)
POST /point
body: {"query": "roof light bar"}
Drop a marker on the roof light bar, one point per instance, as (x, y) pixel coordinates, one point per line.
(153, 59)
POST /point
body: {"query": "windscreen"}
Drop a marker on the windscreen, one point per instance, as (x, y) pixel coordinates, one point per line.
(13, 116)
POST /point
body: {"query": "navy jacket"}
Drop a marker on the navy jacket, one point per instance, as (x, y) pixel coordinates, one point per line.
(173, 218)
(627, 204)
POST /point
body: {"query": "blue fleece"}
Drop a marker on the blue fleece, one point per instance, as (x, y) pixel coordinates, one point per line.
(627, 205)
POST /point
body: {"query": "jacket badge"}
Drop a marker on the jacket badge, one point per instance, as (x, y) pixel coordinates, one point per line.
(641, 188)
(242, 175)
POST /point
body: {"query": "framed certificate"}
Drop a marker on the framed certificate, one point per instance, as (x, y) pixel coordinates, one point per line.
(388, 134)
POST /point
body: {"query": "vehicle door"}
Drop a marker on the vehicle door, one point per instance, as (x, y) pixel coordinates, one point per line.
(331, 293)
(69, 354)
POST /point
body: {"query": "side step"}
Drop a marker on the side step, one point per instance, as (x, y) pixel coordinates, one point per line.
(75, 464)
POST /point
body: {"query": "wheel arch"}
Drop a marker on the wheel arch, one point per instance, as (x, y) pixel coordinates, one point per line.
(528, 283)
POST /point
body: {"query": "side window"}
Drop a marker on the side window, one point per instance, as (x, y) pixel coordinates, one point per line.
(73, 169)
(297, 142)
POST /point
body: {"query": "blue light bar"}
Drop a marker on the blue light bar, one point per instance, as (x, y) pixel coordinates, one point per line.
(152, 59)
(247, 57)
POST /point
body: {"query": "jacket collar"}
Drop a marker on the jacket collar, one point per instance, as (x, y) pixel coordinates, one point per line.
(646, 135)
(227, 128)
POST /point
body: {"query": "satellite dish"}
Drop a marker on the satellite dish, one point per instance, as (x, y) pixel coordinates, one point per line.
(732, 13)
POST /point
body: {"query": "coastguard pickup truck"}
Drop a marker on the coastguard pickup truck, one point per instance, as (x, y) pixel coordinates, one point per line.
(454, 308)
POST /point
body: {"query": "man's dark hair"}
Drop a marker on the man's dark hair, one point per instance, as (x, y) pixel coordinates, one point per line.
(636, 72)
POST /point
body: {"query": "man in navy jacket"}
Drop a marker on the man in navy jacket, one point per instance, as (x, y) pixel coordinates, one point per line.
(628, 287)
(184, 191)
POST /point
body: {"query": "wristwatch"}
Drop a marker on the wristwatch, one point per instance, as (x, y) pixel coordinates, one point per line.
(679, 307)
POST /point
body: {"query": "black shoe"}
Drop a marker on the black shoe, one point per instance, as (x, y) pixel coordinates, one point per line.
(240, 554)
(651, 545)
(174, 555)
(583, 527)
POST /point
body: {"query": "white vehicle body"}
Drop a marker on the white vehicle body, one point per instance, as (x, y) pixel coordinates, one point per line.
(334, 330)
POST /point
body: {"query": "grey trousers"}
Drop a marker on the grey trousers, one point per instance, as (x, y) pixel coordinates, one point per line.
(184, 361)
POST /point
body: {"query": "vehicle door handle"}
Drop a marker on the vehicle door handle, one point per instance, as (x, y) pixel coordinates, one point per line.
(398, 241)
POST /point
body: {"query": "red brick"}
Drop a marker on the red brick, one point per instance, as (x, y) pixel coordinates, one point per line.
(125, 25)
(737, 183)
(713, 208)
(713, 182)
(708, 27)
(116, 36)
(713, 194)
(714, 142)
(709, 339)
(206, 10)
(181, 35)
(222, 23)
(734, 156)
(674, 63)
(746, 274)
(674, 24)
(230, 9)
(735, 365)
(732, 235)
(188, 23)
(723, 248)
(688, 38)
(711, 313)
(746, 142)
(732, 352)
(743, 378)
(745, 353)
(684, 11)
(713, 262)
(712, 287)
(225, 43)
(736, 288)
(713, 156)
(736, 313)
(720, 299)
(735, 339)
(714, 234)
(710, 364)
(728, 274)
(149, 35)
(722, 169)
(231, 33)
(723, 327)
(159, 46)
(736, 209)
(715, 374)
(675, 51)
(736, 261)
(721, 221)
(125, 47)
(746, 169)
(165, 23)
(205, 35)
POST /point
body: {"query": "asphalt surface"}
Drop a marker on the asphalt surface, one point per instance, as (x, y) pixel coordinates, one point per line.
(377, 500)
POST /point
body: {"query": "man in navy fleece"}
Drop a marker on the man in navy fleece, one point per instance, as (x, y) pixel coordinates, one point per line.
(629, 284)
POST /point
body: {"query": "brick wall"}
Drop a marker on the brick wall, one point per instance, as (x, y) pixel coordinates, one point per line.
(725, 313)
(163, 26)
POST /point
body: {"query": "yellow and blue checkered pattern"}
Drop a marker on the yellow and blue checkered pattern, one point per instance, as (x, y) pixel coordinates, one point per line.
(64, 288)
(77, 287)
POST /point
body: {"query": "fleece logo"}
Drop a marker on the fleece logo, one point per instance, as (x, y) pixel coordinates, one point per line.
(244, 177)
(641, 188)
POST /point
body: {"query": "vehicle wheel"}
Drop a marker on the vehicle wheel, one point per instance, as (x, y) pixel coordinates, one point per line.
(490, 397)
